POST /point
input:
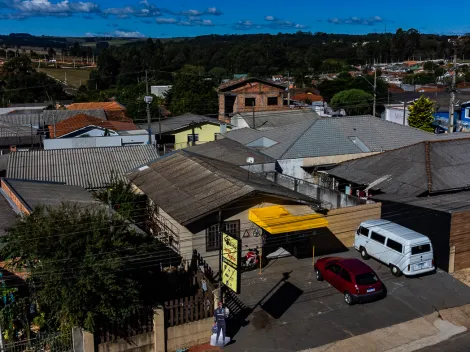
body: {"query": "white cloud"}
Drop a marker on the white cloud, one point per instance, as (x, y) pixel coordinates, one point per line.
(117, 33)
(356, 20)
(166, 20)
(269, 18)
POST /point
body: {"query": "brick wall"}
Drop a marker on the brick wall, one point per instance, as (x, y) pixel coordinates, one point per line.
(261, 93)
(13, 197)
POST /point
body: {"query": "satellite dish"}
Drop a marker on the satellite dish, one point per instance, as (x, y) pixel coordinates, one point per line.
(250, 160)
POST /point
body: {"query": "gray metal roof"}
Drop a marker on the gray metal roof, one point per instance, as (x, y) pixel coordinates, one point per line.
(271, 119)
(85, 167)
(334, 136)
(51, 116)
(8, 217)
(179, 122)
(433, 166)
(230, 151)
(189, 186)
(34, 193)
(26, 119)
(447, 202)
(13, 130)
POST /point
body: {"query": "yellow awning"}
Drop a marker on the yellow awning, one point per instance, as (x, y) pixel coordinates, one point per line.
(276, 219)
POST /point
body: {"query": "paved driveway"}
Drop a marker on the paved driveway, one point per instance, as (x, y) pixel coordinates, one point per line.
(299, 312)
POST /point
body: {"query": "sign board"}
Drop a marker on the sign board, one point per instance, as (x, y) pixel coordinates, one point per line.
(231, 252)
(231, 249)
(231, 277)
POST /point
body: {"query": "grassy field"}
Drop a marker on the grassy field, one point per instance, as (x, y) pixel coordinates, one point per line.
(74, 76)
(113, 42)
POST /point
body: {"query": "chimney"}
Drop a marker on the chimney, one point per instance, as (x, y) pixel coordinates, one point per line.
(223, 128)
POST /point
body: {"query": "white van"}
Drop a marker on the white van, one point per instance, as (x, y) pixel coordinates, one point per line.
(403, 250)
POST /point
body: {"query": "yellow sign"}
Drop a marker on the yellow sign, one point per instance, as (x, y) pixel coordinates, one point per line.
(230, 277)
(230, 248)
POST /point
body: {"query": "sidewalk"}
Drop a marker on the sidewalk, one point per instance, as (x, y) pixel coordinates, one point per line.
(408, 336)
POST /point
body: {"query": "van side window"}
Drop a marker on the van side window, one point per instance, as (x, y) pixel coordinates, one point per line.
(345, 275)
(394, 245)
(364, 231)
(378, 238)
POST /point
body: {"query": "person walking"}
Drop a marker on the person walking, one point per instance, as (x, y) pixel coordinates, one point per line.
(220, 314)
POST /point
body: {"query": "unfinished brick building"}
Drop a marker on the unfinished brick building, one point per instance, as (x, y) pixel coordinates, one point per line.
(244, 94)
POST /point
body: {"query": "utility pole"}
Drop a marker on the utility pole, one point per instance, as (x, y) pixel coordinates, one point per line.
(148, 100)
(253, 108)
(452, 92)
(288, 89)
(160, 127)
(404, 112)
(375, 91)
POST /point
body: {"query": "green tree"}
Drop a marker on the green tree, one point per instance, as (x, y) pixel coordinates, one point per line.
(421, 114)
(84, 265)
(429, 66)
(353, 101)
(194, 94)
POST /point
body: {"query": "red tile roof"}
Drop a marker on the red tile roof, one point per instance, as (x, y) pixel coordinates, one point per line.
(308, 95)
(107, 105)
(82, 120)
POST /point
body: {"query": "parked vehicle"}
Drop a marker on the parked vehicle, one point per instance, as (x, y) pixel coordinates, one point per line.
(352, 277)
(405, 251)
(251, 259)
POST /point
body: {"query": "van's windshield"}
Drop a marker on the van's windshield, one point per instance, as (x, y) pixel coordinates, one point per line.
(366, 279)
(423, 248)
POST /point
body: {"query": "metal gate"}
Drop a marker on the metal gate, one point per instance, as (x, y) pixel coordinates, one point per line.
(58, 342)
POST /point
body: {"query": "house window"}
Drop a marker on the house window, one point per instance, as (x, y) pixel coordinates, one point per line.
(250, 102)
(272, 100)
(190, 138)
(213, 236)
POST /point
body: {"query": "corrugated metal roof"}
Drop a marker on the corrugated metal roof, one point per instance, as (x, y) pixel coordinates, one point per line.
(230, 151)
(34, 193)
(85, 167)
(335, 136)
(26, 119)
(272, 119)
(433, 166)
(189, 186)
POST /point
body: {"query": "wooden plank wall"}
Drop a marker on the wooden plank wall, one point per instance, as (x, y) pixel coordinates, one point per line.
(343, 222)
(460, 238)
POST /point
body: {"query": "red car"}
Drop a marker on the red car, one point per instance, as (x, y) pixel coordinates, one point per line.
(352, 277)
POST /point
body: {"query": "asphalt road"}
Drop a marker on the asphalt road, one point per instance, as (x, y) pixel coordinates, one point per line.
(302, 313)
(458, 343)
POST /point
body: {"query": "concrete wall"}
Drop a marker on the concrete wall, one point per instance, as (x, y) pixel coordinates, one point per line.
(330, 198)
(395, 114)
(206, 133)
(190, 334)
(294, 167)
(139, 343)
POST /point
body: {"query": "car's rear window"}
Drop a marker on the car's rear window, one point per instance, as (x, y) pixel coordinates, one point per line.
(366, 279)
(424, 248)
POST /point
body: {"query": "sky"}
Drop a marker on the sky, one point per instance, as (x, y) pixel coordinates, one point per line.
(174, 18)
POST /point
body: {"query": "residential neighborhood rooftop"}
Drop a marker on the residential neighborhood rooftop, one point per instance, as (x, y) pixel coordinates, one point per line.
(331, 136)
(235, 83)
(109, 105)
(191, 186)
(85, 167)
(179, 122)
(35, 193)
(426, 167)
(54, 116)
(81, 120)
(230, 151)
(271, 119)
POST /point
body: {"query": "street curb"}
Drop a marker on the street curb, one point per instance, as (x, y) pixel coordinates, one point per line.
(404, 337)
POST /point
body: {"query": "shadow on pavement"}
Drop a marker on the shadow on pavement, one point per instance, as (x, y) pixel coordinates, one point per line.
(273, 308)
